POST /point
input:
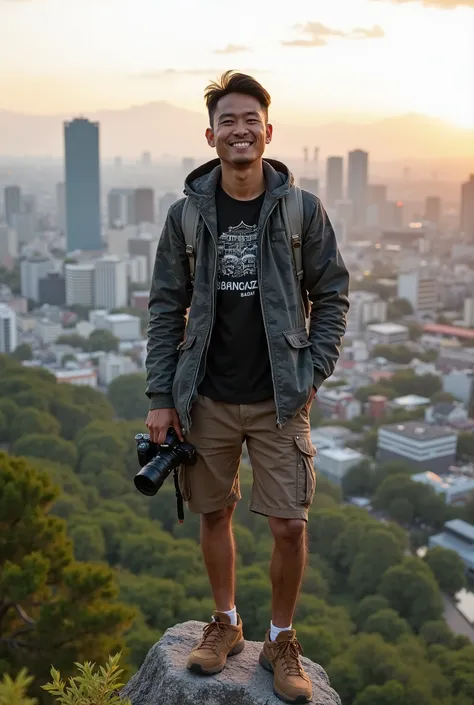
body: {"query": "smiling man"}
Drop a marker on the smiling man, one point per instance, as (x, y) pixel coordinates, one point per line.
(245, 367)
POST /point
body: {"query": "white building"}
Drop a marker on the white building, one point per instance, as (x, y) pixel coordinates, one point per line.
(410, 402)
(387, 334)
(31, 271)
(420, 290)
(428, 447)
(8, 339)
(112, 366)
(457, 536)
(110, 282)
(48, 331)
(123, 326)
(79, 284)
(137, 269)
(117, 240)
(365, 308)
(335, 463)
(83, 377)
(456, 489)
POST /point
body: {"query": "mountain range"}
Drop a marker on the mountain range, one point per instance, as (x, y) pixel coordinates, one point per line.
(164, 129)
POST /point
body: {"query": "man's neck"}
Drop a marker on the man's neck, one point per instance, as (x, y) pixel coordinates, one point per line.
(243, 184)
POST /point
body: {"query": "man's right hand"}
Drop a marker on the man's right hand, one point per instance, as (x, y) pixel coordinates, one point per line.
(159, 421)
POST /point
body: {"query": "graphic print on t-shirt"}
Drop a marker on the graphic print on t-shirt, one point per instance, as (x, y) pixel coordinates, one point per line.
(237, 252)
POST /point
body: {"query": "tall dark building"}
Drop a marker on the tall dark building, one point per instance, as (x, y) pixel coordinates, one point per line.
(121, 207)
(52, 289)
(82, 169)
(12, 197)
(357, 181)
(334, 180)
(144, 206)
(467, 208)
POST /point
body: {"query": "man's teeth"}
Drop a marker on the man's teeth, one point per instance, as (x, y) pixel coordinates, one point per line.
(241, 144)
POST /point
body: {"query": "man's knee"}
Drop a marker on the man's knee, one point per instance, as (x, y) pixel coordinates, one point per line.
(218, 519)
(288, 532)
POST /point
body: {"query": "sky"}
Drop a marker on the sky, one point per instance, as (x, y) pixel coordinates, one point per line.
(355, 60)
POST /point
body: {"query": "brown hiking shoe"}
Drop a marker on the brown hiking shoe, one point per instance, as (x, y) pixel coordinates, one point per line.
(281, 657)
(220, 639)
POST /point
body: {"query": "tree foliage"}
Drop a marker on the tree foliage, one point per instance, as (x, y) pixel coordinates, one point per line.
(127, 396)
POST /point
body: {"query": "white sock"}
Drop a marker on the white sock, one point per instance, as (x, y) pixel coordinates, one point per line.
(274, 631)
(232, 614)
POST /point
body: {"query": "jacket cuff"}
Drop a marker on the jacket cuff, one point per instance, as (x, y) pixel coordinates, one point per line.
(318, 379)
(161, 401)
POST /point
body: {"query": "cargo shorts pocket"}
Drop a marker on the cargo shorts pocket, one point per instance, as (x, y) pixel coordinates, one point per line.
(306, 476)
(183, 482)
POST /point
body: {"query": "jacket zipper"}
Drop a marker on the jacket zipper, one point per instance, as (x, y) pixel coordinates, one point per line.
(209, 332)
(260, 287)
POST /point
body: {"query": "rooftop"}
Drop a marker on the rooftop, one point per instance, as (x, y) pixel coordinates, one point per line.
(441, 329)
(461, 527)
(341, 455)
(387, 328)
(418, 431)
(446, 482)
(121, 318)
(411, 400)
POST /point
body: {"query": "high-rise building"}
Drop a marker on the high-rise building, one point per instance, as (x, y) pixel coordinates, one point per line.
(433, 209)
(334, 181)
(52, 289)
(61, 207)
(31, 271)
(393, 214)
(8, 244)
(79, 284)
(82, 185)
(144, 206)
(376, 204)
(121, 207)
(7, 329)
(357, 182)
(110, 282)
(12, 199)
(144, 245)
(29, 203)
(420, 290)
(165, 204)
(467, 208)
(308, 183)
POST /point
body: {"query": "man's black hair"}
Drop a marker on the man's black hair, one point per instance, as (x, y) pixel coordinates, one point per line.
(234, 82)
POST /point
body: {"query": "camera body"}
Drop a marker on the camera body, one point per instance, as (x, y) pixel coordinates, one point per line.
(158, 461)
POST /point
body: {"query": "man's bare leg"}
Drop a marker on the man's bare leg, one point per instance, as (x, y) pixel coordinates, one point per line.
(287, 567)
(218, 549)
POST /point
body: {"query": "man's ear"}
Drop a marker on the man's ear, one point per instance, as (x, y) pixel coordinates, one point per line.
(268, 133)
(211, 140)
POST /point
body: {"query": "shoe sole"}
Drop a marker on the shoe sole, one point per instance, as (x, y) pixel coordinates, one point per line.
(300, 699)
(200, 671)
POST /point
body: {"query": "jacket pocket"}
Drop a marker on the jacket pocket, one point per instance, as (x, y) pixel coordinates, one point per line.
(187, 343)
(306, 476)
(297, 338)
(183, 482)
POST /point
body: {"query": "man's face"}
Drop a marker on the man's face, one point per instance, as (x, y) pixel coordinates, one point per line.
(240, 130)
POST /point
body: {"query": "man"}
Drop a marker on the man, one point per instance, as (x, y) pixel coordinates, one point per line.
(243, 367)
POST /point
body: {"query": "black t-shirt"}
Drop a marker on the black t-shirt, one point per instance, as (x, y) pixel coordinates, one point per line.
(238, 365)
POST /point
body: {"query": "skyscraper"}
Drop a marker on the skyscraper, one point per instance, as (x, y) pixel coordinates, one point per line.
(433, 209)
(82, 185)
(7, 329)
(144, 205)
(357, 180)
(334, 181)
(467, 208)
(121, 207)
(12, 198)
(61, 207)
(110, 282)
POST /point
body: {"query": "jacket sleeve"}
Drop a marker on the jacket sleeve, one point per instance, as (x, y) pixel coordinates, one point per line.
(326, 280)
(167, 306)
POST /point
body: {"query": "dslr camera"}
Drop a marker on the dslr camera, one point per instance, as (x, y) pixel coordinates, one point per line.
(158, 461)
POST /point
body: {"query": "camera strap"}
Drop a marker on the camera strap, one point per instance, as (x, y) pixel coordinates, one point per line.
(179, 498)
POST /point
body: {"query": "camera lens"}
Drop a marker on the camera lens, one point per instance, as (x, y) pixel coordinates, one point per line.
(151, 477)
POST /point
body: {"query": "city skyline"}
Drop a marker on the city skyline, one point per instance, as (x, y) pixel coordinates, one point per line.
(357, 60)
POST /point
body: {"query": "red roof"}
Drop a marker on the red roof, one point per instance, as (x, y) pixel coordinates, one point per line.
(449, 330)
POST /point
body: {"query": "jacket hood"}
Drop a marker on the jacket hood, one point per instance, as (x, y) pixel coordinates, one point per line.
(202, 182)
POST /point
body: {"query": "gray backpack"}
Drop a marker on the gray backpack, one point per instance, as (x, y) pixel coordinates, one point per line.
(292, 211)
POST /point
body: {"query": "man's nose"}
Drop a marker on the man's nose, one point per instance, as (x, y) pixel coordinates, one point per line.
(241, 129)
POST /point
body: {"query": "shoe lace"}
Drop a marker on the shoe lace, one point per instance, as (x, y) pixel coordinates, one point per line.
(289, 652)
(212, 634)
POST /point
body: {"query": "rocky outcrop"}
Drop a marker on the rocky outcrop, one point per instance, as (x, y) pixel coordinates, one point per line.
(164, 680)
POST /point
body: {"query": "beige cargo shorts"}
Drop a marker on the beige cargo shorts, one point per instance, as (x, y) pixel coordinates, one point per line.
(282, 459)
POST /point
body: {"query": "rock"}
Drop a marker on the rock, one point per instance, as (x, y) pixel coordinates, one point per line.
(164, 680)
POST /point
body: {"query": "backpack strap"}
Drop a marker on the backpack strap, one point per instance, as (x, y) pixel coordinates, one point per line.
(292, 207)
(189, 225)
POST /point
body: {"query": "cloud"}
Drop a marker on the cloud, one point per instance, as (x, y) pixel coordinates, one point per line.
(232, 49)
(209, 73)
(319, 34)
(440, 4)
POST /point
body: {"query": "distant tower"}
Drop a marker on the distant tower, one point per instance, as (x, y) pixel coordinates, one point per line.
(82, 185)
(357, 182)
(334, 180)
(12, 199)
